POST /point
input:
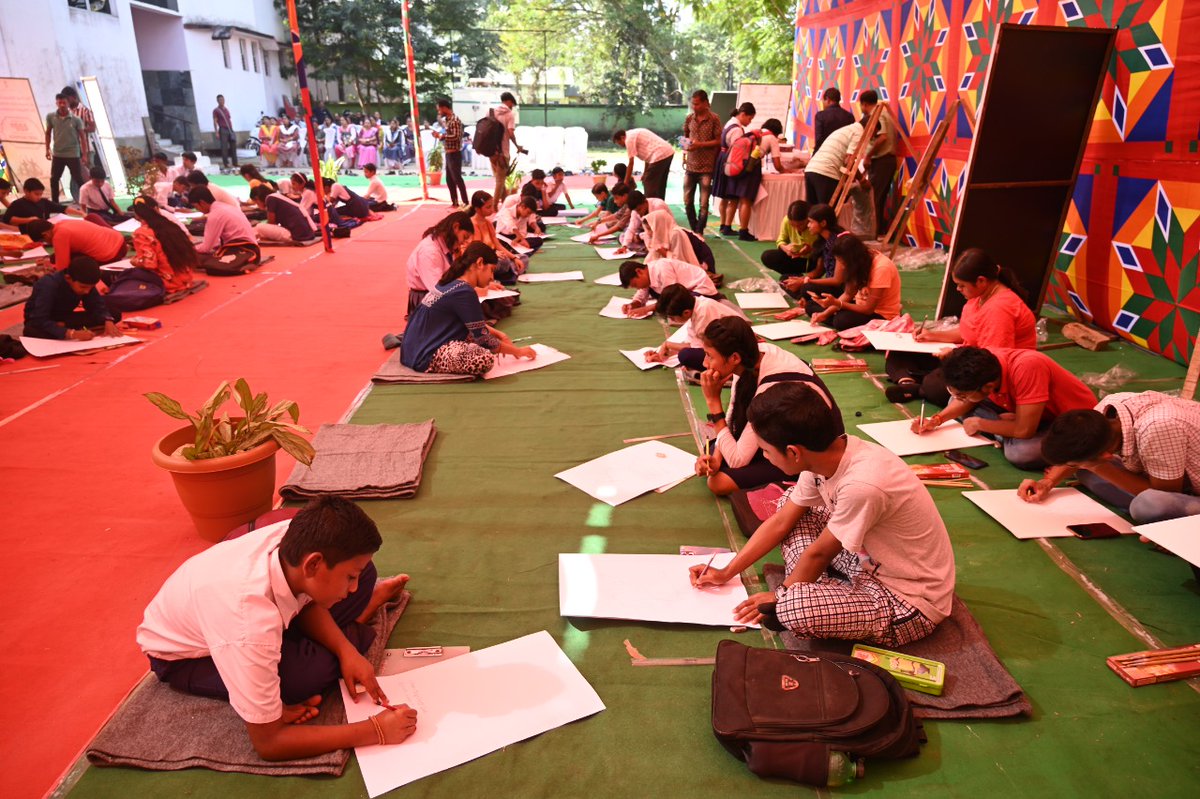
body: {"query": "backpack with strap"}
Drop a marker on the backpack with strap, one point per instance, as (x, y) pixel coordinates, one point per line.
(740, 158)
(489, 133)
(784, 713)
(135, 289)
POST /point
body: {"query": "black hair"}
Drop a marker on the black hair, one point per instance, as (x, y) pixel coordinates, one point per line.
(84, 269)
(618, 136)
(857, 258)
(1075, 436)
(508, 97)
(620, 171)
(251, 171)
(188, 155)
(478, 200)
(729, 335)
(529, 202)
(197, 178)
(444, 102)
(474, 251)
(69, 92)
(305, 180)
(832, 93)
(444, 230)
(38, 228)
(59, 96)
(537, 174)
(794, 414)
(179, 179)
(599, 188)
(621, 189)
(976, 263)
(5, 185)
(160, 156)
(870, 97)
(200, 194)
(371, 167)
(628, 272)
(32, 184)
(636, 198)
(176, 243)
(97, 173)
(558, 170)
(774, 126)
(674, 300)
(822, 212)
(746, 108)
(798, 210)
(333, 527)
(970, 368)
(261, 192)
(700, 95)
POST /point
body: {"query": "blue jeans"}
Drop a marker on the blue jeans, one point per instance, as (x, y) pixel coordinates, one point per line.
(1152, 505)
(1024, 453)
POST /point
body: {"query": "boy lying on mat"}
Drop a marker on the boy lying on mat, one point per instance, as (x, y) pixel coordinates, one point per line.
(868, 557)
(270, 620)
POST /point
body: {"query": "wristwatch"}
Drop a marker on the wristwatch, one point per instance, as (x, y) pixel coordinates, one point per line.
(716, 417)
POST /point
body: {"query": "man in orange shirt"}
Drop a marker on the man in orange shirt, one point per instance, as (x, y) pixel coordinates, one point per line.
(79, 238)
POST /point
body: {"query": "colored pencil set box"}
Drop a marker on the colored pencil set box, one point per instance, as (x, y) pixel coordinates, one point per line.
(142, 322)
(939, 471)
(1157, 665)
(914, 673)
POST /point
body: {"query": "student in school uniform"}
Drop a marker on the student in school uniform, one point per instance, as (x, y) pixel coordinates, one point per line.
(351, 204)
(556, 188)
(654, 151)
(161, 246)
(447, 333)
(286, 221)
(510, 264)
(51, 310)
(376, 195)
(304, 191)
(731, 350)
(1008, 395)
(516, 221)
(435, 253)
(604, 203)
(225, 228)
(536, 189)
(219, 195)
(724, 187)
(793, 253)
(271, 620)
(616, 220)
(665, 239)
(32, 205)
(994, 316)
(867, 555)
(71, 238)
(640, 206)
(681, 307)
(650, 279)
(872, 288)
(96, 197)
(1137, 451)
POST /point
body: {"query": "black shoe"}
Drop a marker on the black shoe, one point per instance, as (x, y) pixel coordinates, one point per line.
(726, 230)
(901, 392)
(745, 235)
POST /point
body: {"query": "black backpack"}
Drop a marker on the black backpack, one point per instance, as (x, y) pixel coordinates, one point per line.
(785, 712)
(488, 135)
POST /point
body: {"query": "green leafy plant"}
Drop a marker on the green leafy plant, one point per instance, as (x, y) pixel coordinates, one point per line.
(331, 167)
(436, 161)
(598, 165)
(217, 435)
(513, 180)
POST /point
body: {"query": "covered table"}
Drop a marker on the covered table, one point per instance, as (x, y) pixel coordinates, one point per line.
(776, 193)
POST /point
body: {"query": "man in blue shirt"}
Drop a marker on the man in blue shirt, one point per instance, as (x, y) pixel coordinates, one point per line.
(51, 311)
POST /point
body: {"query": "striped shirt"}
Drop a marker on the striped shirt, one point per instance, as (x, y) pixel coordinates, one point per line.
(1160, 435)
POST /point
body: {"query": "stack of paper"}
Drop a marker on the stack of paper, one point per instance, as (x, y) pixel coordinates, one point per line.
(510, 364)
(630, 472)
(793, 329)
(760, 301)
(1048, 518)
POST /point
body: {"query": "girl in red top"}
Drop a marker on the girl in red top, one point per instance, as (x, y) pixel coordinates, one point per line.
(995, 316)
(163, 247)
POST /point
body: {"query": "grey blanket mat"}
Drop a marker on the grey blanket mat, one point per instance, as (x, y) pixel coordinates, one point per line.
(393, 371)
(375, 461)
(13, 293)
(207, 733)
(978, 686)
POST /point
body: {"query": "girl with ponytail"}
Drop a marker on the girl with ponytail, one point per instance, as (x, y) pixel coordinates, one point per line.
(162, 246)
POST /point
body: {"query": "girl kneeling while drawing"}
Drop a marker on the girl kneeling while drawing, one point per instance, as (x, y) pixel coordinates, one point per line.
(447, 333)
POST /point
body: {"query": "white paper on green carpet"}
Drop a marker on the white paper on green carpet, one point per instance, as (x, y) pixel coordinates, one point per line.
(630, 472)
(1180, 536)
(1048, 518)
(613, 310)
(904, 342)
(683, 335)
(790, 329)
(618, 254)
(645, 588)
(471, 706)
(498, 294)
(899, 437)
(609, 280)
(510, 364)
(760, 301)
(638, 357)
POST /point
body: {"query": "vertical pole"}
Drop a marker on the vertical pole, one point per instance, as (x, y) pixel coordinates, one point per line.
(545, 91)
(412, 99)
(314, 155)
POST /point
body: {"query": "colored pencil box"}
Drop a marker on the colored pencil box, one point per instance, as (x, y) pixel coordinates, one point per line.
(914, 673)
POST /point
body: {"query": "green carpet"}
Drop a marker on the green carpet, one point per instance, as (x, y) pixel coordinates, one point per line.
(481, 543)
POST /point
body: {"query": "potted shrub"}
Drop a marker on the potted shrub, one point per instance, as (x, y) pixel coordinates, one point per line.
(598, 175)
(223, 466)
(436, 162)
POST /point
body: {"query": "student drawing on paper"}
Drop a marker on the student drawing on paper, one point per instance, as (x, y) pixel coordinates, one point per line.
(681, 307)
(858, 512)
(271, 620)
(651, 279)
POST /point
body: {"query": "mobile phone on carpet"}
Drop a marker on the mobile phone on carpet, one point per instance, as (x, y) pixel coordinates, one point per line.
(1094, 530)
(958, 456)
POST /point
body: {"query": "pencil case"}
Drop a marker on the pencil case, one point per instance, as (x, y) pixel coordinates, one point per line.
(917, 674)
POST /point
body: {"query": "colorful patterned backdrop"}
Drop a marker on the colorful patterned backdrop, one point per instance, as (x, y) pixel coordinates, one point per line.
(1131, 243)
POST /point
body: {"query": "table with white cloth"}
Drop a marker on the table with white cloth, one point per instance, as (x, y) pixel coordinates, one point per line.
(775, 194)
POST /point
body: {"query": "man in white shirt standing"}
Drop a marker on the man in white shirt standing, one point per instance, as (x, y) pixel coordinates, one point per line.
(657, 154)
(272, 619)
(824, 169)
(500, 159)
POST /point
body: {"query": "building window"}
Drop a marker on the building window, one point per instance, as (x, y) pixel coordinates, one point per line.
(254, 54)
(100, 6)
(245, 63)
(282, 68)
(225, 52)
(267, 62)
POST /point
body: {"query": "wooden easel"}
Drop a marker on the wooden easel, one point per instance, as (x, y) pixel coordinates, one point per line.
(922, 177)
(850, 171)
(1193, 372)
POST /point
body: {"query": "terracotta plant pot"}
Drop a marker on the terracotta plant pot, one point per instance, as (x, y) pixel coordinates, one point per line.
(435, 178)
(599, 178)
(219, 493)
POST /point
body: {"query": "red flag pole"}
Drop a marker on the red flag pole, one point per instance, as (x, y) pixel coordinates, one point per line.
(412, 99)
(314, 155)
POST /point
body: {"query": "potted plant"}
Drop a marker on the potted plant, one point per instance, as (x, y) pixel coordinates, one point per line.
(436, 162)
(512, 181)
(223, 466)
(598, 175)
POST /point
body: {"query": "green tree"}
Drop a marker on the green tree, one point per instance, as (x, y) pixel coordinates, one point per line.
(761, 34)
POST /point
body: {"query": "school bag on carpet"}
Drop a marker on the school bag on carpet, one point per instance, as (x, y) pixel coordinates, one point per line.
(785, 713)
(232, 259)
(135, 290)
(488, 135)
(741, 158)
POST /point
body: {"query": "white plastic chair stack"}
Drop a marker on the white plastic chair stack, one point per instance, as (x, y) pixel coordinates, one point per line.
(575, 145)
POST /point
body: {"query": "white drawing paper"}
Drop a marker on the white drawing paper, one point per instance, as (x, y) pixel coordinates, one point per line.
(517, 248)
(645, 588)
(618, 254)
(638, 357)
(48, 347)
(630, 472)
(615, 305)
(1176, 535)
(28, 255)
(683, 335)
(128, 226)
(904, 342)
(609, 280)
(56, 218)
(900, 439)
(498, 294)
(550, 277)
(473, 705)
(1048, 518)
(573, 213)
(794, 328)
(117, 266)
(510, 364)
(555, 220)
(586, 238)
(760, 301)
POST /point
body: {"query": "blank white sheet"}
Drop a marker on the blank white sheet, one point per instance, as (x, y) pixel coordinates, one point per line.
(1180, 536)
(760, 301)
(617, 254)
(903, 342)
(613, 309)
(473, 705)
(585, 238)
(791, 329)
(550, 277)
(1048, 518)
(49, 347)
(683, 335)
(573, 213)
(510, 365)
(609, 280)
(645, 588)
(128, 226)
(900, 439)
(638, 357)
(630, 472)
(555, 220)
(498, 294)
(117, 266)
(30, 254)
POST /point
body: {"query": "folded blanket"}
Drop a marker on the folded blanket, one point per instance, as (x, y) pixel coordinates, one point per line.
(395, 372)
(160, 729)
(380, 461)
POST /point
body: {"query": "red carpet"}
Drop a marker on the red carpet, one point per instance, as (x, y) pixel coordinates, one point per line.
(91, 528)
